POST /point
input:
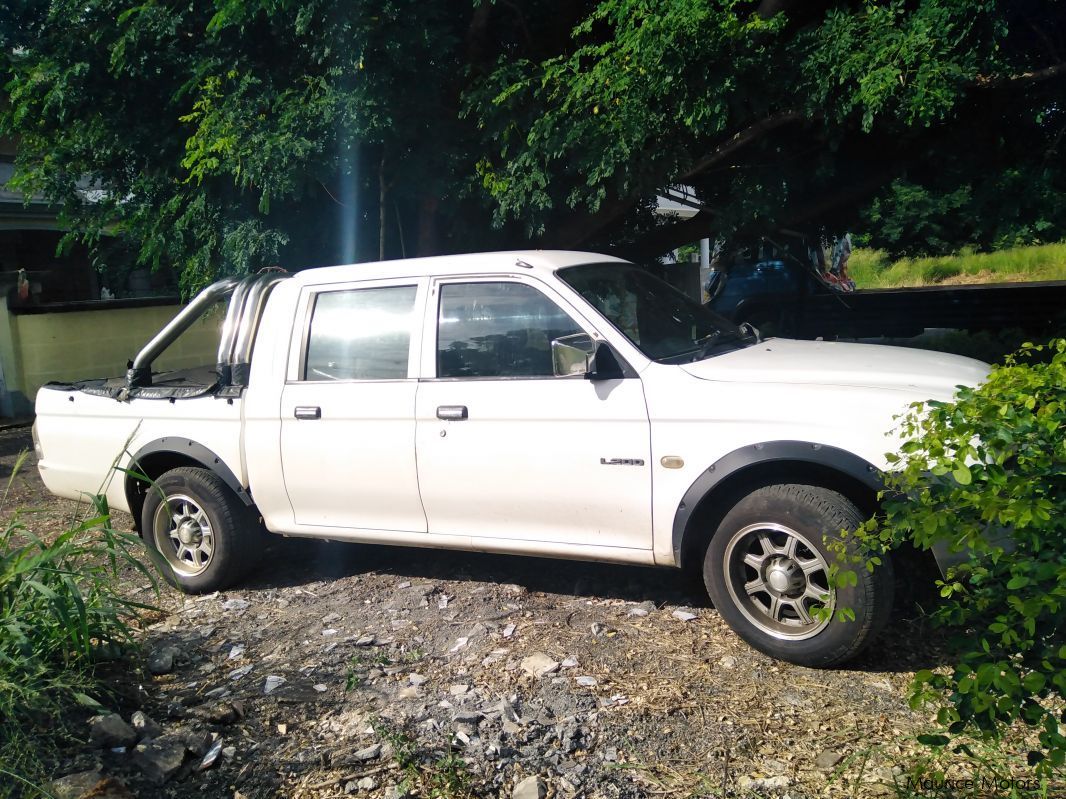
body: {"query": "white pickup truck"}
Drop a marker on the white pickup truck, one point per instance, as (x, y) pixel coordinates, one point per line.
(558, 404)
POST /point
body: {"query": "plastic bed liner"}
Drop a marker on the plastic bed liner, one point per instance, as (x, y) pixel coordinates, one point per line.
(198, 381)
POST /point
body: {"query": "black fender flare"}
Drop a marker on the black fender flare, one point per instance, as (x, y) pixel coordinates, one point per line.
(839, 460)
(190, 450)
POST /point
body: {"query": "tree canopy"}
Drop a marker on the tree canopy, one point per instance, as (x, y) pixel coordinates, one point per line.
(219, 137)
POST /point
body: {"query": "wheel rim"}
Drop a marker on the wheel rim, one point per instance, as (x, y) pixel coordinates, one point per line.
(776, 577)
(183, 534)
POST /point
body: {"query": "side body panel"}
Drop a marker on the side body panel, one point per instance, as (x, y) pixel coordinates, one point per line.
(84, 437)
(701, 422)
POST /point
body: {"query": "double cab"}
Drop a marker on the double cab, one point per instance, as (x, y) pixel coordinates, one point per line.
(556, 404)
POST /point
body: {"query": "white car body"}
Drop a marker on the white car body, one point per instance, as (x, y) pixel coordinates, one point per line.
(552, 466)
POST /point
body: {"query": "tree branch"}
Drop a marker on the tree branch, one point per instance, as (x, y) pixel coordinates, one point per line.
(669, 237)
(584, 228)
(739, 140)
(988, 82)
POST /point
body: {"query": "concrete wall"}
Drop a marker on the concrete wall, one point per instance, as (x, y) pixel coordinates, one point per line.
(73, 345)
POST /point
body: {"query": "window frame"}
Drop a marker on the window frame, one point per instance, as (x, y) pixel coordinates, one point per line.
(305, 312)
(432, 317)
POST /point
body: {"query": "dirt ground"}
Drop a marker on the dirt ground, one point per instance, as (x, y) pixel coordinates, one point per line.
(409, 671)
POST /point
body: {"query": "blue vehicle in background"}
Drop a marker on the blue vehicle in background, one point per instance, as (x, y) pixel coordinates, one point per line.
(793, 292)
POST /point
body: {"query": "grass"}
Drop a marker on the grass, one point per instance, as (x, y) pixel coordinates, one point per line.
(429, 774)
(61, 617)
(872, 269)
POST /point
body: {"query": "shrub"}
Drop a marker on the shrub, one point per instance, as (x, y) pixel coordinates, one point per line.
(986, 475)
(61, 614)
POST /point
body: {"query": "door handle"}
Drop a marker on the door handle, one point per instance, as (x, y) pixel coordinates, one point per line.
(453, 413)
(307, 412)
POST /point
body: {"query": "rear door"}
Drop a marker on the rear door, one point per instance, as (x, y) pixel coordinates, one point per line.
(347, 409)
(508, 450)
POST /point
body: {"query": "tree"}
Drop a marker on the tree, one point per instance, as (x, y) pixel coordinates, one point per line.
(223, 137)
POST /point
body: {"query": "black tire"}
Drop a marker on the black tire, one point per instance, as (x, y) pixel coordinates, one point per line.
(767, 562)
(208, 540)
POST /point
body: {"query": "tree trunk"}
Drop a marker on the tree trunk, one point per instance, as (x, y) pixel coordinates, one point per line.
(428, 239)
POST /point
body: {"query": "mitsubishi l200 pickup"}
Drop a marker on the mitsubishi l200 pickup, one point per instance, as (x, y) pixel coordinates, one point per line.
(557, 404)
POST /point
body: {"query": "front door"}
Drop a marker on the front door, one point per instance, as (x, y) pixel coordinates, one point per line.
(348, 430)
(508, 450)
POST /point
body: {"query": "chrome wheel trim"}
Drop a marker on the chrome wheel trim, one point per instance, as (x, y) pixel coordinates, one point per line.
(184, 535)
(775, 576)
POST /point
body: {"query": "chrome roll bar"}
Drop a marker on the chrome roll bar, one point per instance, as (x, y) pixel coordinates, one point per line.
(139, 373)
(247, 300)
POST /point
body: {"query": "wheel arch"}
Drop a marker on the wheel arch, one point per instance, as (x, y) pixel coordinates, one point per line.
(160, 456)
(729, 478)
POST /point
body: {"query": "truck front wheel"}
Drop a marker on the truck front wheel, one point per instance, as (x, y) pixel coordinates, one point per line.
(767, 572)
(203, 533)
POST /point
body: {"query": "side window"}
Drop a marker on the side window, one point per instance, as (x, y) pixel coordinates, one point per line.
(362, 334)
(497, 330)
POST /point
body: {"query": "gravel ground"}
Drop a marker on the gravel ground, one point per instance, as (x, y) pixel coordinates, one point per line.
(342, 669)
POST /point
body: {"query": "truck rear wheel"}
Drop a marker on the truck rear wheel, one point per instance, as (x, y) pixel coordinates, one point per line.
(204, 534)
(767, 569)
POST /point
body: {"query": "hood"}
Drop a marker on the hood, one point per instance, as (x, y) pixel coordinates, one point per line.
(925, 374)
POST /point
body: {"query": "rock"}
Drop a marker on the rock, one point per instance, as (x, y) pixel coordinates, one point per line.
(508, 631)
(569, 663)
(320, 687)
(199, 742)
(467, 717)
(754, 784)
(161, 661)
(367, 784)
(236, 674)
(145, 727)
(530, 788)
(371, 752)
(459, 690)
(683, 615)
(728, 662)
(415, 678)
(75, 785)
(539, 665)
(827, 759)
(238, 605)
(610, 754)
(221, 713)
(586, 681)
(772, 766)
(160, 758)
(393, 792)
(110, 731)
(273, 682)
(229, 752)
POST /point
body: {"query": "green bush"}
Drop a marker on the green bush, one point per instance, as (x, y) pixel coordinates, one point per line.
(61, 614)
(986, 475)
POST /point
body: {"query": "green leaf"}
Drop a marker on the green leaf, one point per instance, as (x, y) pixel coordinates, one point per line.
(934, 740)
(962, 474)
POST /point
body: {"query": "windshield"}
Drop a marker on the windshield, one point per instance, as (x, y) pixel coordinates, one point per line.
(662, 322)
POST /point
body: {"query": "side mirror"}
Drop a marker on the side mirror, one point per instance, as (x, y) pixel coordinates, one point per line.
(573, 355)
(605, 365)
